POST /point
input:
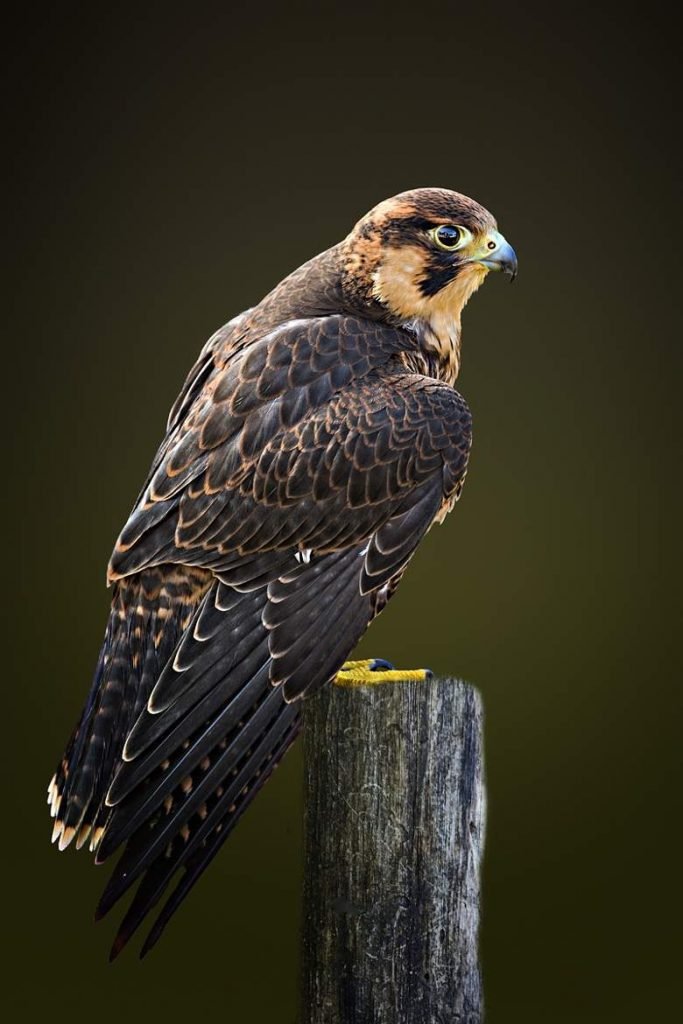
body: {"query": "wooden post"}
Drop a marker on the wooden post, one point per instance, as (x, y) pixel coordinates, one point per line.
(394, 831)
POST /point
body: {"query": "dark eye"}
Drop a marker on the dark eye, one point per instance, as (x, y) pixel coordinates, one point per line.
(448, 236)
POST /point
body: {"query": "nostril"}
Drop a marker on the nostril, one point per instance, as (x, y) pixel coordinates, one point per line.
(491, 245)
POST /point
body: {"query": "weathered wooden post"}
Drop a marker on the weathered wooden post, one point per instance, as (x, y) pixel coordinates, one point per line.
(394, 831)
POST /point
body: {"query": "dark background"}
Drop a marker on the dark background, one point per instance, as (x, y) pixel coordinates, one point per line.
(166, 170)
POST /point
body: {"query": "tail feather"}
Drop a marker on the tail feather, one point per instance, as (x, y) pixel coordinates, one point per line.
(148, 615)
(79, 778)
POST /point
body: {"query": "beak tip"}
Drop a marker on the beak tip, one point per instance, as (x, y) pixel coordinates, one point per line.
(509, 261)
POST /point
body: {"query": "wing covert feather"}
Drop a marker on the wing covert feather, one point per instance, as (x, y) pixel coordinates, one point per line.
(311, 437)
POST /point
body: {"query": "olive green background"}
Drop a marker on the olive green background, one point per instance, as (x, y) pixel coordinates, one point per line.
(164, 172)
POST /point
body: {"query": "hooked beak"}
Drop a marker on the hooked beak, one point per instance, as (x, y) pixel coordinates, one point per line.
(499, 256)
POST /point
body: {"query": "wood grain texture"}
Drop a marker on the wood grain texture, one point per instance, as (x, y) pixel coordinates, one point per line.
(394, 832)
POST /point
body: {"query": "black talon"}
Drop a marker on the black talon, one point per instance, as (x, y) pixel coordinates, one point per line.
(380, 665)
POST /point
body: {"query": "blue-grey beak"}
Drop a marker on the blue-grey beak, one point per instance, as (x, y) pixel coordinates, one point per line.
(501, 256)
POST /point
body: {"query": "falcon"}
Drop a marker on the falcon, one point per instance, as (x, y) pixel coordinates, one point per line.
(314, 443)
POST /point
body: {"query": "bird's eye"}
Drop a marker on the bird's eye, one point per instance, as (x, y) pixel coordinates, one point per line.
(448, 236)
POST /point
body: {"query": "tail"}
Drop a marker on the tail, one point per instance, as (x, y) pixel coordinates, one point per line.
(220, 718)
(190, 713)
(149, 613)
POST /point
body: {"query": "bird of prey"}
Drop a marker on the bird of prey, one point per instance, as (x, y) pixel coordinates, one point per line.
(314, 443)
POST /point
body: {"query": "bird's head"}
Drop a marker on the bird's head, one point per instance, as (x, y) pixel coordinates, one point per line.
(420, 255)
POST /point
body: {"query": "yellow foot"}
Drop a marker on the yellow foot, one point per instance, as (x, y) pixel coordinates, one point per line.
(375, 670)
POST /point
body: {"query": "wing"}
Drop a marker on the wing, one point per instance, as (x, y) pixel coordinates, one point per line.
(309, 438)
(303, 475)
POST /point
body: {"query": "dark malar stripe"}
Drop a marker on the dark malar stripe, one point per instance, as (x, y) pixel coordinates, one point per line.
(437, 277)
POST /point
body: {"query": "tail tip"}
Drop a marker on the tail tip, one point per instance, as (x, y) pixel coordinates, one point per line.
(67, 834)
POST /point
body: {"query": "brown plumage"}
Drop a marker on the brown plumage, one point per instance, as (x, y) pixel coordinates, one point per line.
(314, 443)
